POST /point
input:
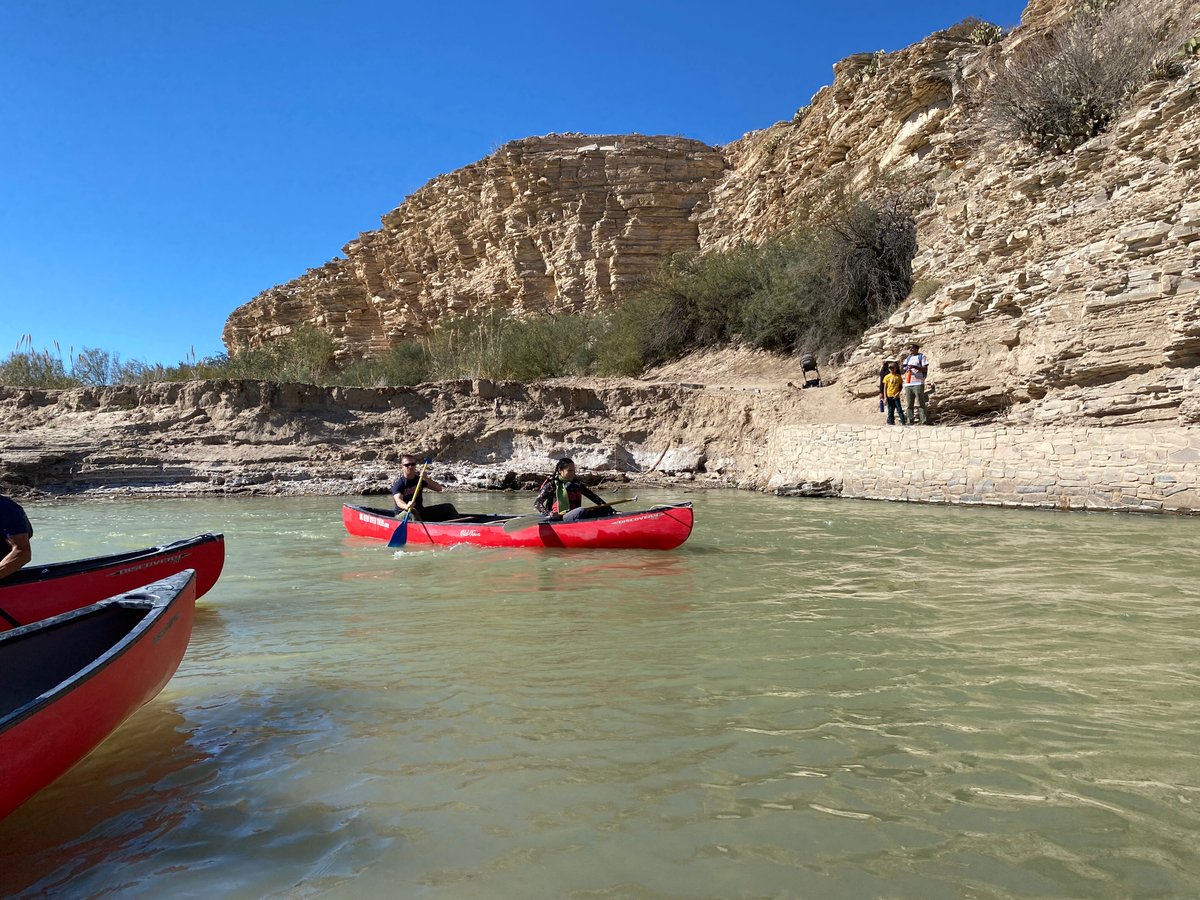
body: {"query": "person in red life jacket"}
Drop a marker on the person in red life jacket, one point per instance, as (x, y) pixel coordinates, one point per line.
(404, 488)
(15, 531)
(561, 496)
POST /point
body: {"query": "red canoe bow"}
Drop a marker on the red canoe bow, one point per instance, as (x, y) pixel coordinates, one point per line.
(66, 683)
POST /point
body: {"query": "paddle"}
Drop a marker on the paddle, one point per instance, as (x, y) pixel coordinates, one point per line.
(518, 523)
(400, 536)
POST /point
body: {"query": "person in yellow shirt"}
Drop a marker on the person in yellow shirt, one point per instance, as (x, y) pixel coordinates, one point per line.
(893, 387)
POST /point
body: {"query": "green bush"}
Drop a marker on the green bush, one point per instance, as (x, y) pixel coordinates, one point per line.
(35, 369)
(814, 289)
(404, 365)
(973, 30)
(925, 288)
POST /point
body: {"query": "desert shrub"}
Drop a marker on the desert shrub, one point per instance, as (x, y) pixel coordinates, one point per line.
(985, 34)
(93, 366)
(821, 285)
(405, 364)
(924, 289)
(974, 31)
(495, 345)
(1068, 87)
(35, 369)
(546, 347)
(628, 331)
(306, 355)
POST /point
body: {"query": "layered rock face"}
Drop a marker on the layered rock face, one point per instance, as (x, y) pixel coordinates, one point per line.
(549, 224)
(1055, 289)
(268, 438)
(1051, 289)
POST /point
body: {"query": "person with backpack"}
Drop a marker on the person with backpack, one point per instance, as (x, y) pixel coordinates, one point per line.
(916, 371)
(561, 496)
(893, 387)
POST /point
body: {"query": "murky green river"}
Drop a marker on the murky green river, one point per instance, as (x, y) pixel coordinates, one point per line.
(821, 699)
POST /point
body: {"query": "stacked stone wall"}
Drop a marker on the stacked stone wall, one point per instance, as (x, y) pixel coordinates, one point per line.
(1141, 469)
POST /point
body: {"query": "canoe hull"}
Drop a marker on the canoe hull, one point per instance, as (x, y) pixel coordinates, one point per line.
(71, 680)
(661, 528)
(39, 592)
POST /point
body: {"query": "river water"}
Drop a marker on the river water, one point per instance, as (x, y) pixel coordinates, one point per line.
(810, 698)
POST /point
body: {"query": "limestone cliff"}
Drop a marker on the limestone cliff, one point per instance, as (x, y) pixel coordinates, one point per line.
(1062, 288)
(1068, 288)
(549, 224)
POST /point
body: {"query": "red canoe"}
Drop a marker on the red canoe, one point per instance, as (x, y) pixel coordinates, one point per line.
(38, 592)
(66, 683)
(660, 528)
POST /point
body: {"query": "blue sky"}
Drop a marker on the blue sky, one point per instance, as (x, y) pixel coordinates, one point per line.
(163, 162)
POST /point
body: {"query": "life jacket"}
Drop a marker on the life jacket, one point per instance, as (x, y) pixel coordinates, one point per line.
(574, 495)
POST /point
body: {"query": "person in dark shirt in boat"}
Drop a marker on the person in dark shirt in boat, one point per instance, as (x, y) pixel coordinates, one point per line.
(16, 531)
(405, 495)
(561, 496)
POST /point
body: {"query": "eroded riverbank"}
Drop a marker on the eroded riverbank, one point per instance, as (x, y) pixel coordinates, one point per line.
(261, 438)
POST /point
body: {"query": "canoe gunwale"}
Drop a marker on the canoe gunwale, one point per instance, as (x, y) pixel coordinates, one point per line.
(51, 571)
(153, 599)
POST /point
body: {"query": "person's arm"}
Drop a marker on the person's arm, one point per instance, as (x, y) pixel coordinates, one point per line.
(431, 485)
(398, 488)
(18, 555)
(542, 503)
(591, 495)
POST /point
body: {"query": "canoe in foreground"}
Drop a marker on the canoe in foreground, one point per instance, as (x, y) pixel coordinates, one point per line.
(660, 528)
(66, 683)
(39, 592)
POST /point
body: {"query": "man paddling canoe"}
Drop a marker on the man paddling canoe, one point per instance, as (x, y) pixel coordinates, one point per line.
(408, 494)
(561, 496)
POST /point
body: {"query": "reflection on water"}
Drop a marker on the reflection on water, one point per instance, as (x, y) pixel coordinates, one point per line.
(810, 698)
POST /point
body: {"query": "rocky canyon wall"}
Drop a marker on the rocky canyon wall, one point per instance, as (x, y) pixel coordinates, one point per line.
(1053, 288)
(1056, 288)
(546, 224)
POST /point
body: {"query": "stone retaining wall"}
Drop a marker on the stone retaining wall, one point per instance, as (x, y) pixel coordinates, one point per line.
(1143, 469)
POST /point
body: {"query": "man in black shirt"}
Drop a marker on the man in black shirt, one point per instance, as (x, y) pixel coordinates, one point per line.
(16, 531)
(404, 488)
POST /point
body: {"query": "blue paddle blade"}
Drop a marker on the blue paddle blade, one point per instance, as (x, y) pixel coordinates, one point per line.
(400, 536)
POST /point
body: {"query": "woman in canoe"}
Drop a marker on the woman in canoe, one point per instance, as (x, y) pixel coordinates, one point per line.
(561, 496)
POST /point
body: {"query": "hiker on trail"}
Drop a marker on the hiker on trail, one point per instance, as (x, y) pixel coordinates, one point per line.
(15, 531)
(916, 370)
(883, 370)
(561, 496)
(406, 496)
(809, 371)
(893, 387)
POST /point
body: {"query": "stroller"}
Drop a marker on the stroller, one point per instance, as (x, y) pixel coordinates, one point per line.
(808, 368)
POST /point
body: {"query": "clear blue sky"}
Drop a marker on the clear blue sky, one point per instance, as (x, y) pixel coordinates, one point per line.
(162, 162)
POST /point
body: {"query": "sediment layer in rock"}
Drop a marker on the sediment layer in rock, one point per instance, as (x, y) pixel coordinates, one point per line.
(561, 223)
